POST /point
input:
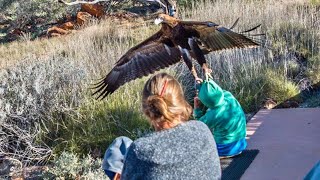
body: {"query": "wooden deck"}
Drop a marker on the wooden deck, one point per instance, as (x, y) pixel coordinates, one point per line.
(288, 140)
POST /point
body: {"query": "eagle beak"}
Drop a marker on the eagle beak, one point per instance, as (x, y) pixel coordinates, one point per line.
(158, 21)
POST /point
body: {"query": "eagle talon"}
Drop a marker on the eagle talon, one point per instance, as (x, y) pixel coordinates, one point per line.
(198, 80)
(208, 70)
(208, 75)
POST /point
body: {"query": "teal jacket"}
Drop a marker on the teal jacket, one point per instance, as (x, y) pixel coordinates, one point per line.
(224, 116)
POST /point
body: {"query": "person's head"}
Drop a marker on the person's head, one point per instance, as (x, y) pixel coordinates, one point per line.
(163, 100)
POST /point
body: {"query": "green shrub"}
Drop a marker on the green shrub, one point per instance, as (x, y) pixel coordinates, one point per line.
(70, 166)
(313, 72)
(30, 10)
(278, 87)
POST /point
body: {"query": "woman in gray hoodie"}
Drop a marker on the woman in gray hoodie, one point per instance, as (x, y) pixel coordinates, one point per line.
(179, 149)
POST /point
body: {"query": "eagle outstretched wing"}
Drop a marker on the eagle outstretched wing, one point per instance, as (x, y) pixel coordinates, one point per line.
(213, 37)
(151, 55)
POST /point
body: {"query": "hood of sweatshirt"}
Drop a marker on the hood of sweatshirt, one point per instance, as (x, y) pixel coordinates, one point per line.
(210, 94)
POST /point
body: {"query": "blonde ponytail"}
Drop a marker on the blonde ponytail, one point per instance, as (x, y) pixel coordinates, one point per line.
(158, 108)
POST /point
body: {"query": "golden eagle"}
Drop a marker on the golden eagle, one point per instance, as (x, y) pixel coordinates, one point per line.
(175, 40)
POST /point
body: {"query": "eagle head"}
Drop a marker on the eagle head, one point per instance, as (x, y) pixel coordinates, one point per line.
(166, 19)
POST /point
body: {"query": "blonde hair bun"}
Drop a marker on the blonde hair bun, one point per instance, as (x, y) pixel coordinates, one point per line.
(158, 108)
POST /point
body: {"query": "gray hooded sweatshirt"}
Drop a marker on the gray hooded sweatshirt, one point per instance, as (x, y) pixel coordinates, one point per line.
(187, 151)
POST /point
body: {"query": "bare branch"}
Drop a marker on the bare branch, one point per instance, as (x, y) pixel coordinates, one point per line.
(20, 144)
(81, 2)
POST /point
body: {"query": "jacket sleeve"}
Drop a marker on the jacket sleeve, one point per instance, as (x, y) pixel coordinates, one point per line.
(199, 115)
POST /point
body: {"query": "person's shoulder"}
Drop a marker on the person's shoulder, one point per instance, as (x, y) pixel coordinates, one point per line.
(145, 142)
(200, 131)
(198, 125)
(151, 138)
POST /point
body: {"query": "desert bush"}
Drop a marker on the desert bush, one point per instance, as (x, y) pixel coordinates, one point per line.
(313, 72)
(70, 166)
(30, 95)
(31, 8)
(278, 87)
(31, 12)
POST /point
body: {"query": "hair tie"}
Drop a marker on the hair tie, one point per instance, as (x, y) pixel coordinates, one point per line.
(164, 87)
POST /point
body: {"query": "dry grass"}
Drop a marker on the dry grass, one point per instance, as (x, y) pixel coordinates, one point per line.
(45, 87)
